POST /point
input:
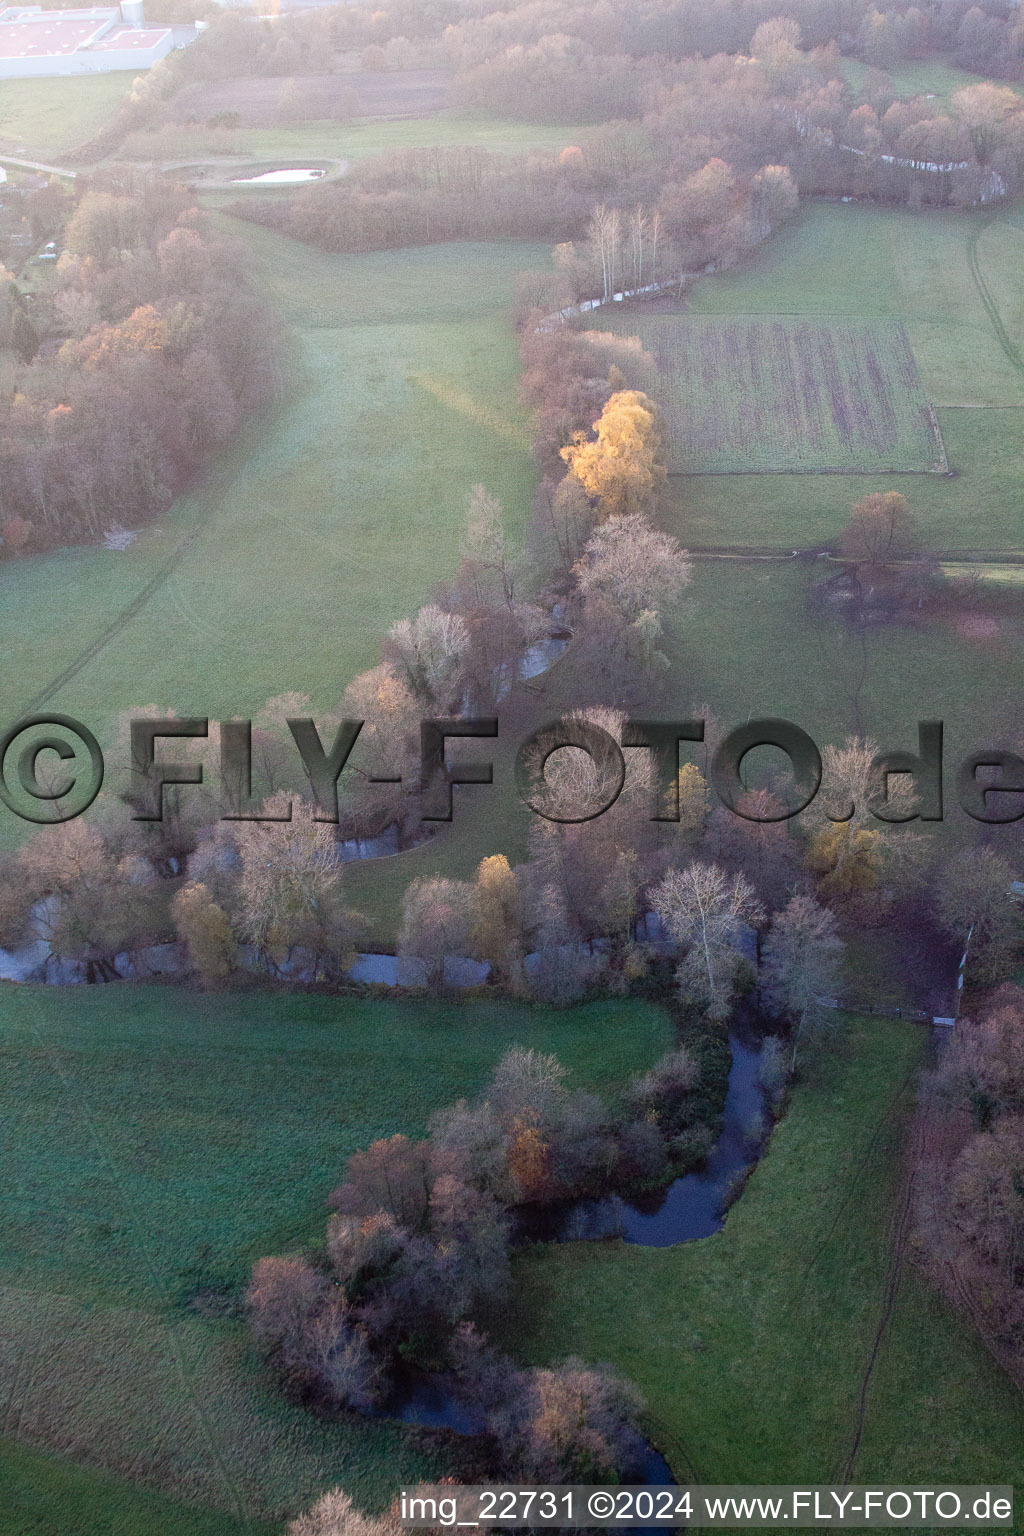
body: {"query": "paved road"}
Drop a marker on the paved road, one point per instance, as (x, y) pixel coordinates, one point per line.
(37, 165)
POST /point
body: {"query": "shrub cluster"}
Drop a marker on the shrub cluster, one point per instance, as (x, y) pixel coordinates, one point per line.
(417, 1250)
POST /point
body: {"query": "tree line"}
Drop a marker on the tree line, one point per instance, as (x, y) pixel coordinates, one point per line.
(270, 894)
(970, 1209)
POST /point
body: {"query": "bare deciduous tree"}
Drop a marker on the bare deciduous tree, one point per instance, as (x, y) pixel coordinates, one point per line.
(437, 924)
(334, 1514)
(291, 889)
(974, 893)
(637, 567)
(802, 956)
(704, 910)
(429, 650)
(881, 531)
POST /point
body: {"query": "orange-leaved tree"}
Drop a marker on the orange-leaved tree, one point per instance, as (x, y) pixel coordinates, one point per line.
(621, 468)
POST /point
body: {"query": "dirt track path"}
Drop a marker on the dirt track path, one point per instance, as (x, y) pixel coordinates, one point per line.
(900, 1226)
(1008, 345)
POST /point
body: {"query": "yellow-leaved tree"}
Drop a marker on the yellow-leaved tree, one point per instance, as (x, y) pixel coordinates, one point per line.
(205, 929)
(621, 468)
(498, 918)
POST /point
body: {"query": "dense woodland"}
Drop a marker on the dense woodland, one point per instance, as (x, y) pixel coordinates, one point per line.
(597, 49)
(145, 357)
(690, 150)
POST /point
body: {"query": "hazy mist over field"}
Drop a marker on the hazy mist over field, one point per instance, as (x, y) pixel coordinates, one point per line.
(511, 763)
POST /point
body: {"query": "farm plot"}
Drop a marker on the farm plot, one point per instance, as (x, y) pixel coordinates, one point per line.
(777, 394)
(262, 101)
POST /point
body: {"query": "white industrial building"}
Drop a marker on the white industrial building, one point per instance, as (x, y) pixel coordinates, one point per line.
(91, 41)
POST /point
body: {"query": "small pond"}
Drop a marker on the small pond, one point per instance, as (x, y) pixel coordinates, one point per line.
(282, 178)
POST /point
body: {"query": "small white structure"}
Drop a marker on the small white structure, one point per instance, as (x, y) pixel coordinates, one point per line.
(93, 40)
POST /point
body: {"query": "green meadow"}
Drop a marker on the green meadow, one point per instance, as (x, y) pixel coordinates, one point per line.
(916, 77)
(158, 1142)
(329, 519)
(295, 143)
(45, 119)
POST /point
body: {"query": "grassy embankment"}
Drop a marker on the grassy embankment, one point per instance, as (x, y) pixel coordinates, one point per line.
(157, 1143)
(46, 119)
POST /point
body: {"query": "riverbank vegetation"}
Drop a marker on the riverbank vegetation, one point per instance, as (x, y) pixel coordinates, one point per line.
(751, 1347)
(101, 890)
(421, 527)
(417, 1258)
(970, 1208)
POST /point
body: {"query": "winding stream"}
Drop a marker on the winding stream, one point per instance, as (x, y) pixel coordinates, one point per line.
(433, 1402)
(691, 1207)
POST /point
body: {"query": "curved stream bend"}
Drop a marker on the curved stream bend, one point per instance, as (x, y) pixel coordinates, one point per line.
(691, 1207)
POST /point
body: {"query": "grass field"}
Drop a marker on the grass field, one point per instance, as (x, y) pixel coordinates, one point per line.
(295, 143)
(950, 280)
(751, 1346)
(351, 498)
(749, 396)
(921, 77)
(157, 1142)
(45, 119)
(916, 77)
(45, 1495)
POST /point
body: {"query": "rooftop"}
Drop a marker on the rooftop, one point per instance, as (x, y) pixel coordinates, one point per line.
(123, 36)
(26, 32)
(28, 39)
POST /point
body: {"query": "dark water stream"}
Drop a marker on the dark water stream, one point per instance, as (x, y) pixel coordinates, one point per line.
(690, 1207)
(434, 1402)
